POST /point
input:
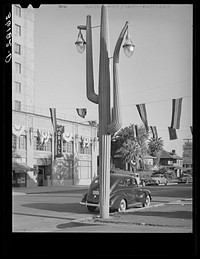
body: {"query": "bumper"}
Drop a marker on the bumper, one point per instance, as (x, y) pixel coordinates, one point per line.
(90, 204)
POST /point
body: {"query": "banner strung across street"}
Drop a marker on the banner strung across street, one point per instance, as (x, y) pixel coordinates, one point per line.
(81, 112)
(172, 133)
(154, 132)
(53, 118)
(143, 115)
(176, 113)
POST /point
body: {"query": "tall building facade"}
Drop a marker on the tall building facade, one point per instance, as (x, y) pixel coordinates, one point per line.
(33, 137)
(23, 94)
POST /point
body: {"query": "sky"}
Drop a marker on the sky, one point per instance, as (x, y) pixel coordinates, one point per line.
(159, 70)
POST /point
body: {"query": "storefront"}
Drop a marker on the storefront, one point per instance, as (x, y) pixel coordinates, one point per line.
(71, 161)
(19, 174)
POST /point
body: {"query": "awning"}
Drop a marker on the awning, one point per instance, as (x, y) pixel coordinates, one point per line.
(21, 167)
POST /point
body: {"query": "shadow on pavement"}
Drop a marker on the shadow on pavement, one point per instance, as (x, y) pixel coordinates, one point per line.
(59, 207)
(75, 224)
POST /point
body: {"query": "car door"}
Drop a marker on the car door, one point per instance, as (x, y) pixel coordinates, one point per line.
(131, 190)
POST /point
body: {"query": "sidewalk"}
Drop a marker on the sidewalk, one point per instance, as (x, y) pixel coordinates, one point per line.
(169, 213)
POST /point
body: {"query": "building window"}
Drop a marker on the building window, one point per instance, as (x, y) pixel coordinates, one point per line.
(68, 147)
(14, 141)
(18, 67)
(18, 49)
(17, 11)
(17, 105)
(22, 142)
(45, 147)
(85, 150)
(17, 30)
(17, 87)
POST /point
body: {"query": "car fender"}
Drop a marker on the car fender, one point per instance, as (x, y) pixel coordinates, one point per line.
(84, 198)
(115, 200)
(147, 192)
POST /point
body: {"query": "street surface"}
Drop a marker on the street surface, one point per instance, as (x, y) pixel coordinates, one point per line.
(58, 210)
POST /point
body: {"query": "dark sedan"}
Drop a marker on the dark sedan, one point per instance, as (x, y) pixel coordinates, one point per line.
(124, 192)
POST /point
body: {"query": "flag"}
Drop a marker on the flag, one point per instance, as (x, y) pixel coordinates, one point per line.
(154, 132)
(136, 131)
(176, 113)
(81, 112)
(191, 128)
(53, 119)
(172, 133)
(143, 114)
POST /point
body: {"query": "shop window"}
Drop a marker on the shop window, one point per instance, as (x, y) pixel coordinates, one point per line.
(43, 147)
(22, 142)
(14, 141)
(68, 147)
(85, 150)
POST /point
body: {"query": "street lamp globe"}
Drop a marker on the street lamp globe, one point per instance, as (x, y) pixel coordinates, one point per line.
(80, 43)
(128, 46)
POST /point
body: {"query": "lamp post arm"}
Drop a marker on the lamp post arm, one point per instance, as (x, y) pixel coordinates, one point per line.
(91, 95)
(116, 123)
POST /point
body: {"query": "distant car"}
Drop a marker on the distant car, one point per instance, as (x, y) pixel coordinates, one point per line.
(148, 181)
(159, 179)
(185, 179)
(124, 192)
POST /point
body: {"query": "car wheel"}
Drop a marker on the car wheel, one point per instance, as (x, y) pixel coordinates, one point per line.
(91, 208)
(166, 183)
(122, 206)
(158, 183)
(146, 202)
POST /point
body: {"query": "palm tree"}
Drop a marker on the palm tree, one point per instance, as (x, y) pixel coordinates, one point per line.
(155, 146)
(131, 148)
(130, 151)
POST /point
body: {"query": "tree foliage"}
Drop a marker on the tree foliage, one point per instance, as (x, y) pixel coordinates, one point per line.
(130, 147)
(155, 146)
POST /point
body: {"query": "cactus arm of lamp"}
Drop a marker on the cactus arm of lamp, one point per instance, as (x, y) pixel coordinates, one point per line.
(91, 95)
(116, 123)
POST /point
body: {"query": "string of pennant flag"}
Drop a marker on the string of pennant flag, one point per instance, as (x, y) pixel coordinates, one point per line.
(175, 119)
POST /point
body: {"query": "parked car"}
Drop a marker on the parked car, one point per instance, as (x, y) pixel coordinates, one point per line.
(124, 192)
(159, 179)
(148, 181)
(185, 179)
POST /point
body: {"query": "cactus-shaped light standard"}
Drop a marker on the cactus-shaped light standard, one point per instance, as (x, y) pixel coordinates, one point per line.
(109, 120)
